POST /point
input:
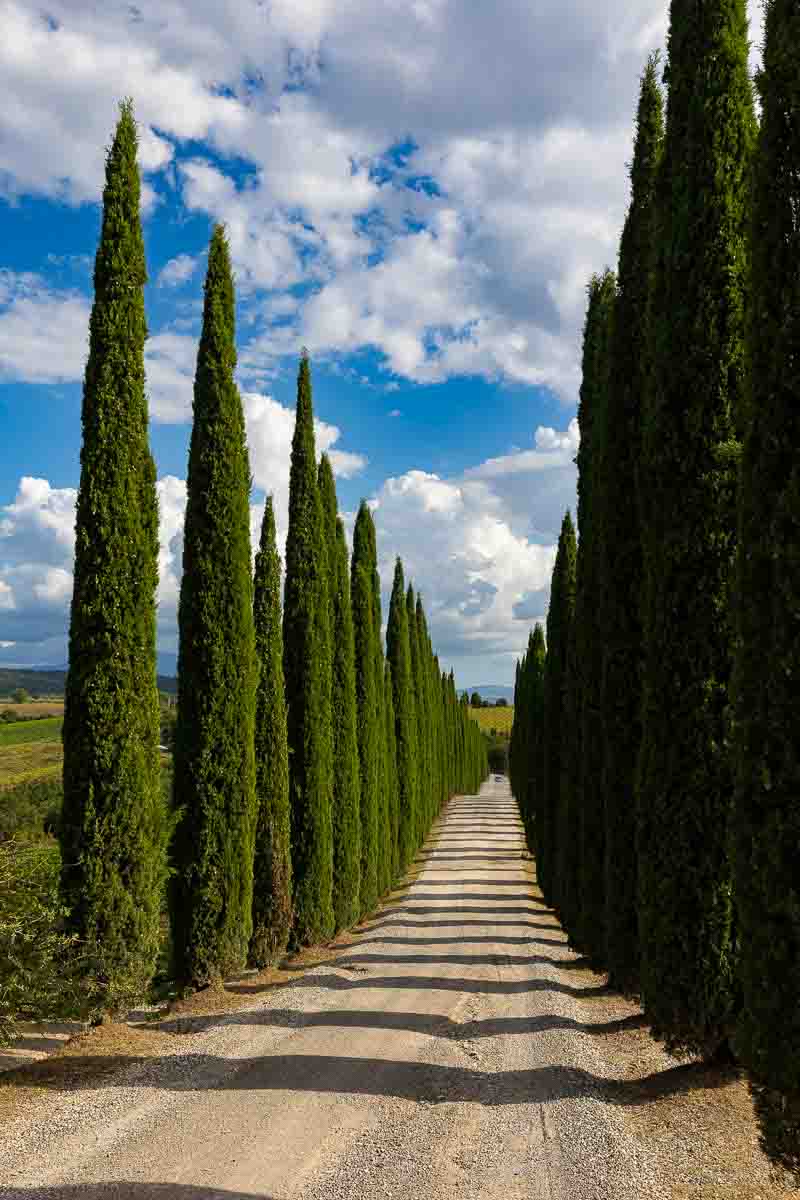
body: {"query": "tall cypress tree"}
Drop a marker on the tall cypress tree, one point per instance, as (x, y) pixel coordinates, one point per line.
(346, 790)
(517, 735)
(399, 655)
(308, 672)
(113, 831)
(559, 621)
(620, 599)
(689, 463)
(392, 800)
(534, 703)
(429, 718)
(588, 887)
(767, 812)
(212, 893)
(272, 874)
(366, 639)
(419, 738)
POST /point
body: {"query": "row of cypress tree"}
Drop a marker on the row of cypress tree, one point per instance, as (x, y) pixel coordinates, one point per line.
(655, 748)
(308, 765)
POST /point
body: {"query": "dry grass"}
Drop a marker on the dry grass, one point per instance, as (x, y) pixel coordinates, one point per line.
(500, 719)
(33, 760)
(35, 708)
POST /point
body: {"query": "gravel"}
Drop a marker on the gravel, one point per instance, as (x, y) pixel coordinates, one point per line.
(456, 1049)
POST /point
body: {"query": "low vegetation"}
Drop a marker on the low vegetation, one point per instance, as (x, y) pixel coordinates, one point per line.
(500, 718)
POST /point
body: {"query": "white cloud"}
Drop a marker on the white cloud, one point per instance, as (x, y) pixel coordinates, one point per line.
(43, 331)
(177, 271)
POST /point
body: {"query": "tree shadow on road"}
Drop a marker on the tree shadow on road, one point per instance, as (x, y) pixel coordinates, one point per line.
(418, 1081)
(433, 1025)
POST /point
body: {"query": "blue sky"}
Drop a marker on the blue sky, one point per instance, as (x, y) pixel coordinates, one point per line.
(418, 192)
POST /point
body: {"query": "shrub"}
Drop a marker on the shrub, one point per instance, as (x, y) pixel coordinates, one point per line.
(33, 980)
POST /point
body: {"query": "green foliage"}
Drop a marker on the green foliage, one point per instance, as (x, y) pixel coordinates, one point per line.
(398, 652)
(114, 828)
(766, 822)
(212, 892)
(582, 880)
(418, 717)
(346, 777)
(31, 809)
(38, 980)
(620, 590)
(392, 793)
(308, 672)
(426, 722)
(535, 701)
(700, 282)
(559, 621)
(369, 713)
(272, 870)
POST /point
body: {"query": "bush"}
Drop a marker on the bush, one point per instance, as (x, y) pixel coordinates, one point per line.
(33, 981)
(31, 809)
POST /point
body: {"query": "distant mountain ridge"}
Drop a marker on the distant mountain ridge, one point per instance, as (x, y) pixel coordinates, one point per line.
(49, 681)
(491, 691)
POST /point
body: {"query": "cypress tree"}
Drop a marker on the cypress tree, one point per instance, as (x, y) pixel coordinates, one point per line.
(346, 793)
(114, 829)
(559, 621)
(392, 801)
(517, 732)
(214, 781)
(534, 703)
(620, 599)
(429, 724)
(308, 673)
(767, 811)
(419, 733)
(272, 872)
(588, 853)
(689, 463)
(399, 655)
(367, 701)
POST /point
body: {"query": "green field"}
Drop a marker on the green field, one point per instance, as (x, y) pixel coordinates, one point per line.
(500, 719)
(19, 733)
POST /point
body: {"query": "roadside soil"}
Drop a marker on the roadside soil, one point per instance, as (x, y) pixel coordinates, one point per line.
(450, 1048)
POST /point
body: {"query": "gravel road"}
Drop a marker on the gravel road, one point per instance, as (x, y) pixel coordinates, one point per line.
(449, 1053)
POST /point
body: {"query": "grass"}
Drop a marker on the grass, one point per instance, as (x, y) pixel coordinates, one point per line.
(500, 719)
(18, 733)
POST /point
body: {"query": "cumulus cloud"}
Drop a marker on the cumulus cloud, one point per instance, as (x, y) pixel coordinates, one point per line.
(43, 330)
(427, 179)
(464, 542)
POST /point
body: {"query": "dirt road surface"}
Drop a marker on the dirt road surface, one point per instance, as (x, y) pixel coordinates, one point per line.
(451, 1052)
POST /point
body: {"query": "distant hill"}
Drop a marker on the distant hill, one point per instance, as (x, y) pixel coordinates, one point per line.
(491, 691)
(50, 682)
